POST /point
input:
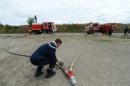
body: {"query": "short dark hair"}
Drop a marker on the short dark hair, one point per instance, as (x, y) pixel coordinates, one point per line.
(58, 41)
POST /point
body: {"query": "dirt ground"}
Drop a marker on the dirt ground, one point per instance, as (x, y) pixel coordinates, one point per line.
(105, 61)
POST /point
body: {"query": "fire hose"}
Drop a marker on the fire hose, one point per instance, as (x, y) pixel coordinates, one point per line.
(17, 54)
(69, 72)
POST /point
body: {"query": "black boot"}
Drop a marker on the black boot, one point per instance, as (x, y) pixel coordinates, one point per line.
(38, 71)
(50, 73)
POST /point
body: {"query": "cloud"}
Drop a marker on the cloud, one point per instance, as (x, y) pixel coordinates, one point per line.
(65, 11)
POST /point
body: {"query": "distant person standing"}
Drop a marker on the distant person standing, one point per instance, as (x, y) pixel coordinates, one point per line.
(50, 28)
(35, 18)
(126, 31)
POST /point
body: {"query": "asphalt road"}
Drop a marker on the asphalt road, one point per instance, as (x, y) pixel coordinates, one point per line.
(105, 61)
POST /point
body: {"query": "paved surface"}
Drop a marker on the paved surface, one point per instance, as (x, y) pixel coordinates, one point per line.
(105, 61)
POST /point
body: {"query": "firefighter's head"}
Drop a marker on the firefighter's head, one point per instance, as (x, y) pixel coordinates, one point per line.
(58, 42)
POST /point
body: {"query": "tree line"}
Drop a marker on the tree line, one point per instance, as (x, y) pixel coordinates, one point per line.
(73, 28)
(10, 29)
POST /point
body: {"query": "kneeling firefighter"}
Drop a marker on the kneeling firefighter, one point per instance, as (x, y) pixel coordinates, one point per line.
(45, 55)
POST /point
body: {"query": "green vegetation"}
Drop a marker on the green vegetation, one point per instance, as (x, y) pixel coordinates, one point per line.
(10, 29)
(120, 27)
(71, 28)
(30, 20)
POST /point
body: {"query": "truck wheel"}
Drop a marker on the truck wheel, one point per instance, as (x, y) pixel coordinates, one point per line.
(33, 32)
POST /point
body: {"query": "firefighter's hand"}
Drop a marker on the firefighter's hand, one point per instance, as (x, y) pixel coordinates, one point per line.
(60, 63)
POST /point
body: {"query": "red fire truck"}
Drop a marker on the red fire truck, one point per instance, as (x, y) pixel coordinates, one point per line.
(106, 29)
(46, 27)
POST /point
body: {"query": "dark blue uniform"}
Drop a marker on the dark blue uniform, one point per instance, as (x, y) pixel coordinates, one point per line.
(44, 55)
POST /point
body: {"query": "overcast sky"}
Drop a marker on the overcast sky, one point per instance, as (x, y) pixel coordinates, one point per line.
(16, 12)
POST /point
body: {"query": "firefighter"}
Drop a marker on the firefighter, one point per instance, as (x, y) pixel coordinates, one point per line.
(35, 18)
(126, 31)
(45, 55)
(50, 28)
